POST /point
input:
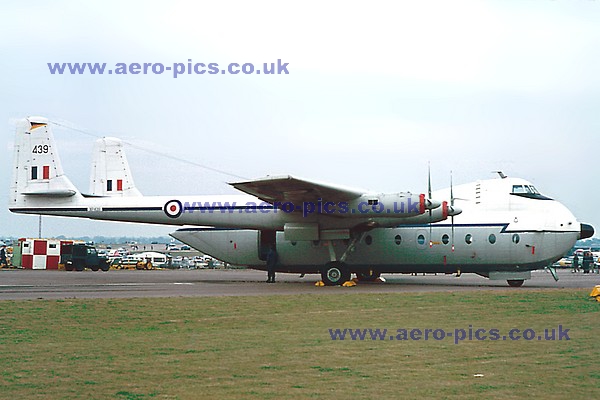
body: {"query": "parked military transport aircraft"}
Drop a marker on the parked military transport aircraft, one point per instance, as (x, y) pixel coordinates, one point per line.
(503, 229)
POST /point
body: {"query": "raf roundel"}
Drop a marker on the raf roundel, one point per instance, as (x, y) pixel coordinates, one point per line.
(173, 208)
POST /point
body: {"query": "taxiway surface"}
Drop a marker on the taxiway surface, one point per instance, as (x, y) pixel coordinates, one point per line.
(42, 284)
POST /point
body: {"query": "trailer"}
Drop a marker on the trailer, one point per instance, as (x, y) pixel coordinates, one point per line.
(38, 253)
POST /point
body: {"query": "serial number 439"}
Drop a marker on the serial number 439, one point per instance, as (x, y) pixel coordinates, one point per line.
(40, 149)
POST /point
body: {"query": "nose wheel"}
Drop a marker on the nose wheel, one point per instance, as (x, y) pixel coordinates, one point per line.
(335, 273)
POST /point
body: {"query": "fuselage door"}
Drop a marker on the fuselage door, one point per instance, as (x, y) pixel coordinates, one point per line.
(266, 239)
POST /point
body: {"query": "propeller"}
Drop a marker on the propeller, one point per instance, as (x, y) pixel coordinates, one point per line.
(429, 197)
(452, 205)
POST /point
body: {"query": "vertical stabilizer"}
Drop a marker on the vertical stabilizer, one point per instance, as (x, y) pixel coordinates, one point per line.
(110, 175)
(37, 171)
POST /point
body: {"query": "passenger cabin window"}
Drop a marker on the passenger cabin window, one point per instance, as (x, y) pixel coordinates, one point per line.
(468, 238)
(445, 239)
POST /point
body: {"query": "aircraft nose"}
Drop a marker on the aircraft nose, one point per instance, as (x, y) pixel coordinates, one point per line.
(587, 231)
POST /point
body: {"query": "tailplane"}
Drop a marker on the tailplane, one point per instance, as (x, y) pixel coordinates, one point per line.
(110, 175)
(37, 172)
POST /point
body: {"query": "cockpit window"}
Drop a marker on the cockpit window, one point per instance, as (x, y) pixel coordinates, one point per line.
(528, 191)
(524, 189)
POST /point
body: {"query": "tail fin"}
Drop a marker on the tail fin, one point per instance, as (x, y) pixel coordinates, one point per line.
(110, 175)
(37, 171)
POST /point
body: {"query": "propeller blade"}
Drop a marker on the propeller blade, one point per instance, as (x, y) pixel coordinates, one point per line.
(429, 180)
(451, 191)
(452, 205)
(429, 196)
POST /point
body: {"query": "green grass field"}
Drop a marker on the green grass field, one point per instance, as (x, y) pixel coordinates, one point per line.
(280, 346)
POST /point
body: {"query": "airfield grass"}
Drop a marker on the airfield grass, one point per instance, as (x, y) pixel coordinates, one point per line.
(280, 346)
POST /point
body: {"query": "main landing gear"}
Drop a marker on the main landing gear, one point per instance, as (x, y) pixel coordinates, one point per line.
(336, 272)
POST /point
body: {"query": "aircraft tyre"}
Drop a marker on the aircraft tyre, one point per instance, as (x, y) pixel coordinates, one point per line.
(370, 276)
(335, 273)
(515, 282)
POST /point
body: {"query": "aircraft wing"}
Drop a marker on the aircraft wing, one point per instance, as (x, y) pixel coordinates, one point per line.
(290, 189)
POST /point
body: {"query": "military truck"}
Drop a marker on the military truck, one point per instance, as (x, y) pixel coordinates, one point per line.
(78, 256)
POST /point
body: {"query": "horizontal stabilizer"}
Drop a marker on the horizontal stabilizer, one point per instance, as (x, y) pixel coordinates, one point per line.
(52, 193)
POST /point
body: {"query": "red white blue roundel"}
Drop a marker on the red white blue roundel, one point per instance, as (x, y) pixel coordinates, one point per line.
(173, 208)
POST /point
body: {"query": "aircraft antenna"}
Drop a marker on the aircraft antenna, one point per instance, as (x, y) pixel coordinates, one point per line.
(157, 153)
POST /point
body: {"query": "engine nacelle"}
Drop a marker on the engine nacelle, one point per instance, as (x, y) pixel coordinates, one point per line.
(396, 205)
(431, 216)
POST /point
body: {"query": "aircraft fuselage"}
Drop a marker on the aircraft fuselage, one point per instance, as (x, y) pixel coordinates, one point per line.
(498, 231)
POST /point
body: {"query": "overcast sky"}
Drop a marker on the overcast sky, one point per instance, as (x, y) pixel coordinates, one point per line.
(375, 90)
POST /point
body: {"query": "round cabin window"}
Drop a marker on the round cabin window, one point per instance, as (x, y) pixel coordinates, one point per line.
(445, 239)
(516, 238)
(398, 239)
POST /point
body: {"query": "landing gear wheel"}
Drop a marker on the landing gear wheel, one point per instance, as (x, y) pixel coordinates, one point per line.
(515, 282)
(370, 276)
(335, 273)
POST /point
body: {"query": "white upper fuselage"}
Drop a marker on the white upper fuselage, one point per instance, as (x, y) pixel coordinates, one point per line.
(494, 201)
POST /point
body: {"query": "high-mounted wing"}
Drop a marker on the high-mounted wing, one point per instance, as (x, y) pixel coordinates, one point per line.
(290, 189)
(293, 194)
